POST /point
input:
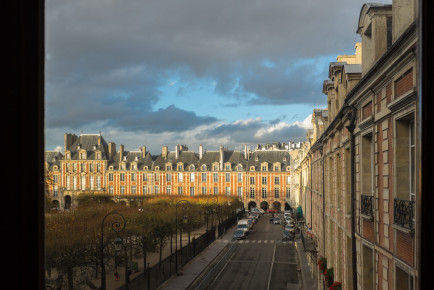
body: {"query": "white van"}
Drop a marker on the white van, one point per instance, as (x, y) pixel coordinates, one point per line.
(243, 225)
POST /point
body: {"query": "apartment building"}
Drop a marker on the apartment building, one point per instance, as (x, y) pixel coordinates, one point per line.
(357, 177)
(91, 165)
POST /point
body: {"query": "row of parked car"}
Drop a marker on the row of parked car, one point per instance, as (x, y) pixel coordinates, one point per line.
(290, 226)
(245, 225)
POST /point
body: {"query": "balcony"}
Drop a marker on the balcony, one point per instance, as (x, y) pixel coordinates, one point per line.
(403, 213)
(367, 206)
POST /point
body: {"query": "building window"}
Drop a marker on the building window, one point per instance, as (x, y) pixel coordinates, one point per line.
(216, 177)
(98, 167)
(180, 168)
(228, 177)
(203, 190)
(145, 190)
(288, 192)
(240, 192)
(168, 167)
(227, 167)
(122, 189)
(252, 192)
(110, 176)
(276, 193)
(91, 181)
(367, 165)
(168, 177)
(240, 177)
(145, 177)
(216, 190)
(192, 177)
(83, 182)
(228, 190)
(180, 178)
(180, 190)
(133, 189)
(122, 177)
(276, 168)
(264, 168)
(264, 180)
(276, 180)
(264, 192)
(215, 167)
(133, 177)
(111, 189)
(82, 167)
(252, 180)
(191, 191)
(203, 177)
(169, 190)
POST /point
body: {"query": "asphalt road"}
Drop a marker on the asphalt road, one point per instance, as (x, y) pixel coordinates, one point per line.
(262, 261)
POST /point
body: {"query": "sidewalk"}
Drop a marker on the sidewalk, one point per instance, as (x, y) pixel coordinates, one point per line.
(198, 264)
(306, 274)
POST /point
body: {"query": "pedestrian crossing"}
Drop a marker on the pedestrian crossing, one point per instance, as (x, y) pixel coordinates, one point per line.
(247, 241)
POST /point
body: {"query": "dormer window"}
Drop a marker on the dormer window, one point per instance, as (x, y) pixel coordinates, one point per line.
(252, 168)
(191, 167)
(204, 167)
(227, 167)
(256, 158)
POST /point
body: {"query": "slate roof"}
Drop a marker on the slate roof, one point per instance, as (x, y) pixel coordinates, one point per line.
(258, 157)
(52, 158)
(89, 142)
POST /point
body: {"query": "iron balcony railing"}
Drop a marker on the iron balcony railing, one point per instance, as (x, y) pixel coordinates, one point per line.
(403, 213)
(367, 205)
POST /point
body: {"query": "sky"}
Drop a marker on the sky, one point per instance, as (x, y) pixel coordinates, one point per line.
(164, 72)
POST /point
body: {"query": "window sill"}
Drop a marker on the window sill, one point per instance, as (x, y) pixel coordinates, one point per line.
(404, 230)
(367, 217)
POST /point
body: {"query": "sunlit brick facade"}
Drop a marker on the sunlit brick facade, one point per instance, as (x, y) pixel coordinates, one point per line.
(357, 178)
(91, 165)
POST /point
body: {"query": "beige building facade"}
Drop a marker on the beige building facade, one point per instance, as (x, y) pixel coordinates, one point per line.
(358, 178)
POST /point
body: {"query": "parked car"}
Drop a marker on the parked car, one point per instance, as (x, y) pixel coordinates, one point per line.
(288, 235)
(239, 235)
(277, 221)
(243, 225)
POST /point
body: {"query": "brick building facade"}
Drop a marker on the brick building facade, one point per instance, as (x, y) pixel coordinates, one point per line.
(358, 176)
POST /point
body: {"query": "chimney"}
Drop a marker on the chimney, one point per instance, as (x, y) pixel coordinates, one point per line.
(164, 152)
(99, 140)
(221, 157)
(111, 149)
(69, 139)
(121, 152)
(177, 151)
(143, 149)
(200, 151)
(246, 154)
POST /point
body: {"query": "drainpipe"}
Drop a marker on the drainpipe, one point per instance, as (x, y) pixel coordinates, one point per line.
(351, 128)
(323, 203)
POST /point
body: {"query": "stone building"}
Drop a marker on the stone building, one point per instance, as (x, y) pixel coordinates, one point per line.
(357, 178)
(91, 165)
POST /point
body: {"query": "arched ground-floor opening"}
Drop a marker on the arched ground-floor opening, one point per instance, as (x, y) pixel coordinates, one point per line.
(264, 205)
(55, 204)
(277, 205)
(68, 202)
(251, 205)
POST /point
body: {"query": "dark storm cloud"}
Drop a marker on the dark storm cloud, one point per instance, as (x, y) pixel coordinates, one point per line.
(171, 119)
(108, 59)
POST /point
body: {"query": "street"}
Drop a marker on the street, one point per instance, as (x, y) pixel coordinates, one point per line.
(261, 261)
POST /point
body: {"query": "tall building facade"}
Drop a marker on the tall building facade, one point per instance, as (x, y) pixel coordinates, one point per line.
(357, 176)
(89, 164)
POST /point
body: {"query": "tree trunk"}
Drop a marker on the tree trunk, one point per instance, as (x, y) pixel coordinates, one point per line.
(70, 275)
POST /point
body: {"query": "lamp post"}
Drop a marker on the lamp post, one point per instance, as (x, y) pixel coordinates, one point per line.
(180, 233)
(117, 226)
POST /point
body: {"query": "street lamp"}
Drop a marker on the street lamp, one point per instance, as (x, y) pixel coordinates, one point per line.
(180, 233)
(117, 226)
